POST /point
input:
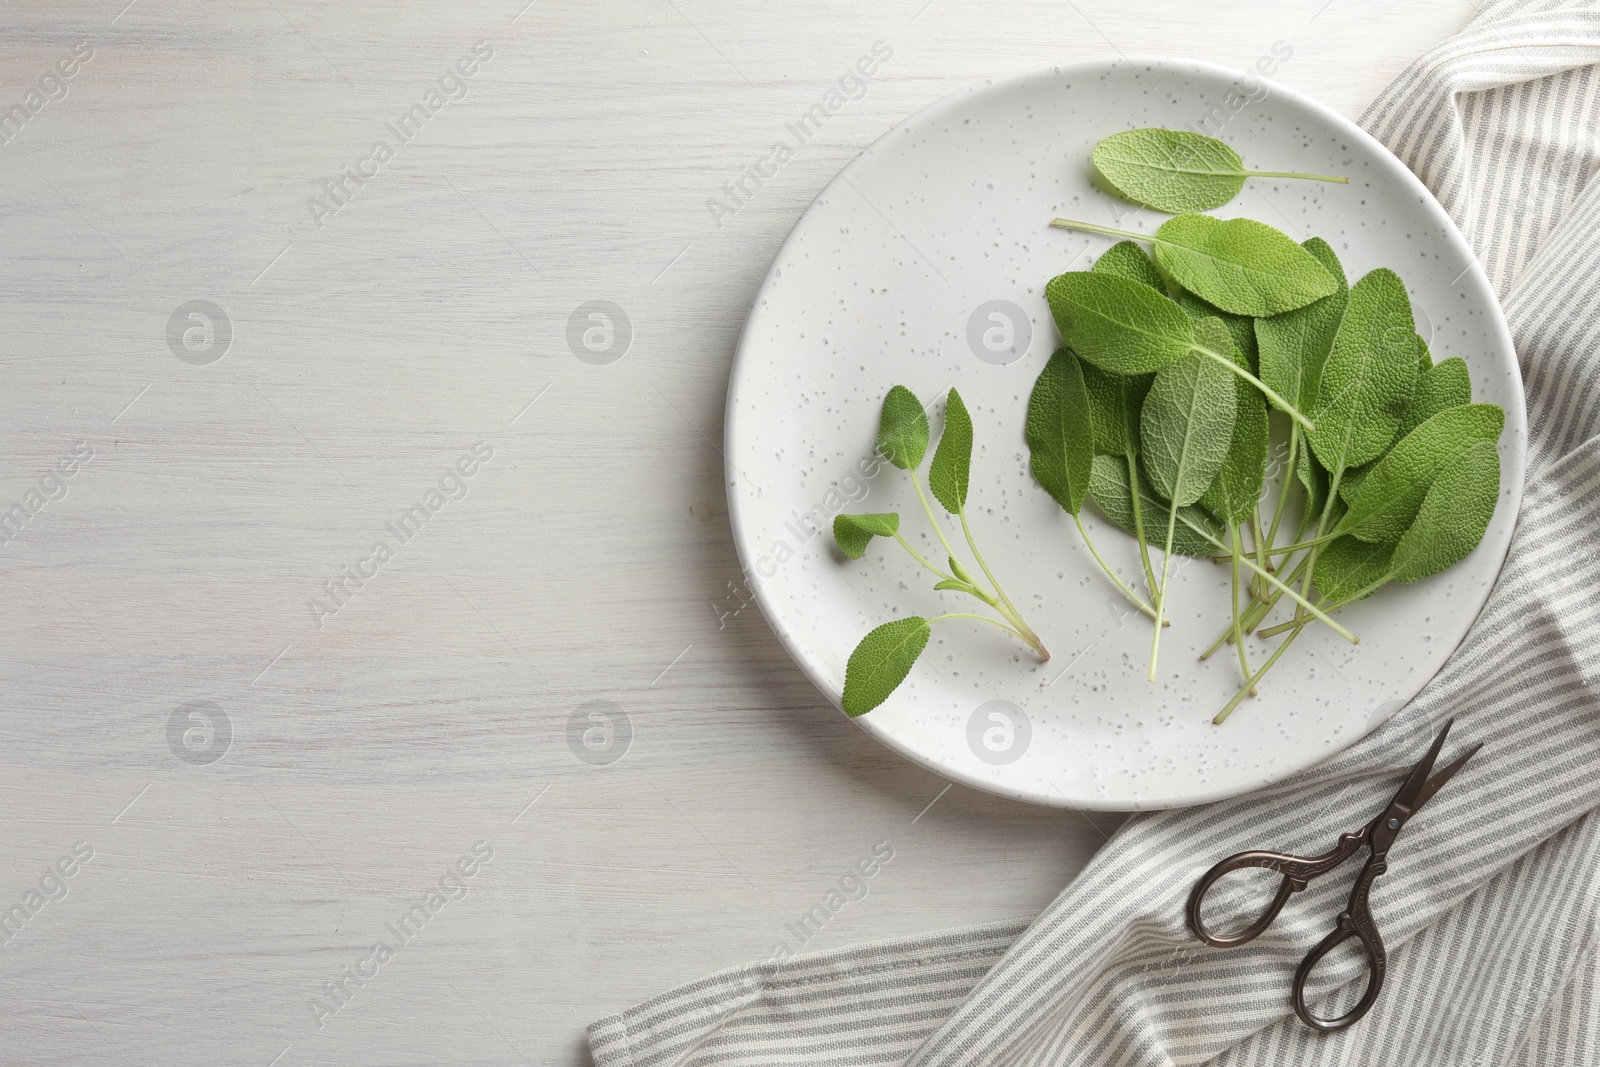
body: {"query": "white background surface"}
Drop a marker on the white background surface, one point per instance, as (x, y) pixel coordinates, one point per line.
(590, 558)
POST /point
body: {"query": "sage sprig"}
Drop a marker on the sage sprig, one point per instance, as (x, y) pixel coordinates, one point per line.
(884, 657)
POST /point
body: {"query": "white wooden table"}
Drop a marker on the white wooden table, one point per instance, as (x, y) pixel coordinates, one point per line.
(269, 768)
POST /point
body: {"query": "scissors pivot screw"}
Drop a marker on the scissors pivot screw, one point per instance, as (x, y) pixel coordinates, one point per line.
(1394, 824)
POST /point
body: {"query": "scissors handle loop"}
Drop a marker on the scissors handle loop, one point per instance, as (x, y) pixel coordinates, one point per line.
(1272, 861)
(1296, 871)
(1355, 922)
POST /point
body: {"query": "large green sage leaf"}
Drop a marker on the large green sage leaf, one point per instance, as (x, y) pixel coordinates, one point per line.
(1387, 499)
(1454, 515)
(1187, 421)
(1122, 326)
(1240, 265)
(1369, 376)
(1059, 431)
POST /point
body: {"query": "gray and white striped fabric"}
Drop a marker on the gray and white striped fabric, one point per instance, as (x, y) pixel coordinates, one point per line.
(1491, 921)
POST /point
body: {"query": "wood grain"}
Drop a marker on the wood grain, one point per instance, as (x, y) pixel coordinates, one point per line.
(589, 559)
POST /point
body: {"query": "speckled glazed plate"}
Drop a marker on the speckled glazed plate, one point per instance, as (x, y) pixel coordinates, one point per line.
(924, 263)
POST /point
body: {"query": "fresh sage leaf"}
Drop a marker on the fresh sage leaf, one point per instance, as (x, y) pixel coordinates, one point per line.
(1122, 326)
(1126, 259)
(881, 662)
(854, 532)
(1184, 433)
(1294, 345)
(1351, 569)
(1187, 421)
(960, 572)
(1454, 515)
(1176, 170)
(1240, 265)
(1115, 399)
(1442, 385)
(951, 469)
(903, 429)
(1059, 431)
(1391, 492)
(1236, 490)
(1194, 534)
(1369, 376)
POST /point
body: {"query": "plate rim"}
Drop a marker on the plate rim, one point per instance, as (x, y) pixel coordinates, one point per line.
(738, 373)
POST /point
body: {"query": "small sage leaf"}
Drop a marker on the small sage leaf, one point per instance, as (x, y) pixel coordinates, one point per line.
(1177, 170)
(1240, 265)
(1440, 386)
(903, 429)
(1170, 170)
(955, 585)
(1111, 493)
(1059, 431)
(1387, 497)
(881, 662)
(951, 469)
(1187, 421)
(1454, 515)
(959, 571)
(854, 532)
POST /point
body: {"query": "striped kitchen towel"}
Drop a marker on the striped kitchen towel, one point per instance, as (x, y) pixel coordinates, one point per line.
(1491, 921)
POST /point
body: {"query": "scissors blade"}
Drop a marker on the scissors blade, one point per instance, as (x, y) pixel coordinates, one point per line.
(1409, 791)
(1437, 782)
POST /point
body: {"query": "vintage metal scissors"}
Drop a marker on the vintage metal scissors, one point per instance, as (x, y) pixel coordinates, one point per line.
(1356, 919)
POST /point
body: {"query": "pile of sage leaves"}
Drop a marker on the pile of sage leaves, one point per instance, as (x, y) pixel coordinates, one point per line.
(1185, 378)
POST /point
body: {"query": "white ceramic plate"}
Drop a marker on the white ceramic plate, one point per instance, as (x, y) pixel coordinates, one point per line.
(924, 263)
